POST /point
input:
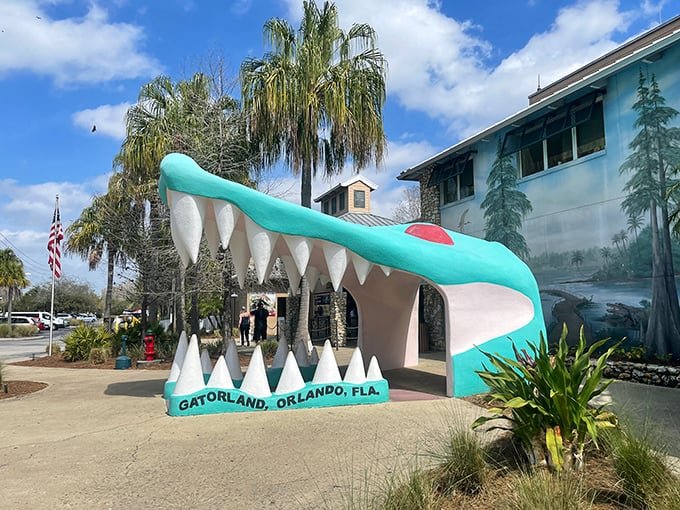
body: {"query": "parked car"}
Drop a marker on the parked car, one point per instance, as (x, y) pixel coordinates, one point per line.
(86, 317)
(66, 317)
(44, 317)
(21, 320)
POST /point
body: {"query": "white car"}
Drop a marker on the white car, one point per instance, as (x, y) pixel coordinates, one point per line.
(86, 317)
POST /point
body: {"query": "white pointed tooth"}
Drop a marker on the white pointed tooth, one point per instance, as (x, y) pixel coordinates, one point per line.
(240, 255)
(281, 354)
(186, 225)
(291, 378)
(301, 354)
(314, 357)
(336, 261)
(362, 267)
(212, 236)
(355, 370)
(327, 370)
(292, 272)
(233, 363)
(220, 377)
(180, 352)
(300, 249)
(206, 363)
(386, 269)
(255, 381)
(261, 244)
(190, 378)
(226, 216)
(373, 373)
(312, 275)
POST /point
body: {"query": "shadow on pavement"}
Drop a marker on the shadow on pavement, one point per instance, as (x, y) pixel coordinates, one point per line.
(148, 388)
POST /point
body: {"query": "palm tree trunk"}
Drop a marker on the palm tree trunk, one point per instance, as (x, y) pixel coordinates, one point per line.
(111, 253)
(302, 332)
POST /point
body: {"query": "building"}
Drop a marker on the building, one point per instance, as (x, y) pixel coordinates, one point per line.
(335, 314)
(579, 184)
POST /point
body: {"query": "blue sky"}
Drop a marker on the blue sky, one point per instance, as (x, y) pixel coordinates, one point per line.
(454, 69)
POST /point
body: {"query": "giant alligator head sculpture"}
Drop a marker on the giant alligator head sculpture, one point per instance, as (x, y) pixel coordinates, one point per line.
(489, 295)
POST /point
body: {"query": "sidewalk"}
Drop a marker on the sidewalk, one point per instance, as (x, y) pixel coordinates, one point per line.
(100, 439)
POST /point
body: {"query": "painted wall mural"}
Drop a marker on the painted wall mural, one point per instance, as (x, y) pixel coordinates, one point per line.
(597, 230)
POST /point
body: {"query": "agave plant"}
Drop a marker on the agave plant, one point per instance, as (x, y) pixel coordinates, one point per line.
(547, 399)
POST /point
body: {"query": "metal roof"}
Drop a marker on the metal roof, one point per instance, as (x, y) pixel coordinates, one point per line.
(370, 220)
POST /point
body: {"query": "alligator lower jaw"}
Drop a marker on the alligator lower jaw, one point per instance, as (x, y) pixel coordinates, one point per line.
(188, 393)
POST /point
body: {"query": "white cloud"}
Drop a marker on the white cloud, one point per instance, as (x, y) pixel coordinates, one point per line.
(89, 49)
(28, 210)
(444, 70)
(109, 119)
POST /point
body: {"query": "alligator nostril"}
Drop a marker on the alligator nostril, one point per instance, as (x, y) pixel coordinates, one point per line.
(432, 233)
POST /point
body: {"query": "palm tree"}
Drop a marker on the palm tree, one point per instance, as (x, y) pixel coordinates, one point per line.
(12, 278)
(315, 99)
(198, 118)
(98, 230)
(606, 254)
(576, 258)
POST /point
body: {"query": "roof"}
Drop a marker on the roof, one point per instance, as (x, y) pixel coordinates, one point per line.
(346, 184)
(370, 220)
(588, 78)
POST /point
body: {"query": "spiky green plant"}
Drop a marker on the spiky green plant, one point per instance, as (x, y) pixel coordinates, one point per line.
(461, 462)
(544, 491)
(79, 343)
(640, 463)
(546, 399)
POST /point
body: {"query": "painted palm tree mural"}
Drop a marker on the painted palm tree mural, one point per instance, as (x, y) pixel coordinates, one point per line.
(505, 207)
(650, 168)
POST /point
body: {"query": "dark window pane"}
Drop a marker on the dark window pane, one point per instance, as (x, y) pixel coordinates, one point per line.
(450, 190)
(590, 135)
(359, 199)
(532, 159)
(467, 181)
(334, 207)
(559, 149)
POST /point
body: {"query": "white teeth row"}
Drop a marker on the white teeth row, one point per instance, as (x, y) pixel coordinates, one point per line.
(190, 215)
(189, 368)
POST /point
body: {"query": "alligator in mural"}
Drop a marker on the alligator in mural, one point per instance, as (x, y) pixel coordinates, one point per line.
(490, 296)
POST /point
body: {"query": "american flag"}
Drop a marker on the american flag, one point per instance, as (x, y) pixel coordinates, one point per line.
(56, 235)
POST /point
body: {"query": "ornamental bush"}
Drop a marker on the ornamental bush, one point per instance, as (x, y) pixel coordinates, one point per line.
(546, 399)
(79, 343)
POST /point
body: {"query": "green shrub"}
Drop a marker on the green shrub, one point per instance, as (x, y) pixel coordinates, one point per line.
(83, 339)
(18, 331)
(540, 490)
(641, 465)
(56, 348)
(3, 367)
(546, 399)
(269, 348)
(214, 348)
(99, 355)
(418, 491)
(461, 461)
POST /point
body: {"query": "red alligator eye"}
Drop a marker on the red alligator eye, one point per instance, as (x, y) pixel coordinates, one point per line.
(432, 233)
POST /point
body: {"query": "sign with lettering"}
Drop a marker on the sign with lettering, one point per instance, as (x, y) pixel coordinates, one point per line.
(213, 400)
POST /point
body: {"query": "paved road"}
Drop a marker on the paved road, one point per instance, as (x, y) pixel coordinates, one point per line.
(12, 349)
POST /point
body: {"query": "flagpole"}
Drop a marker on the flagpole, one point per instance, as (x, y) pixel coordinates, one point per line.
(54, 265)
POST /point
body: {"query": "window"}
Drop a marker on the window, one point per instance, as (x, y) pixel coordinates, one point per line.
(359, 199)
(334, 206)
(460, 185)
(572, 131)
(325, 206)
(341, 201)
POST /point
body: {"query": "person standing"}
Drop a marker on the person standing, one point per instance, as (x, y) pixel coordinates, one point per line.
(260, 314)
(244, 326)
